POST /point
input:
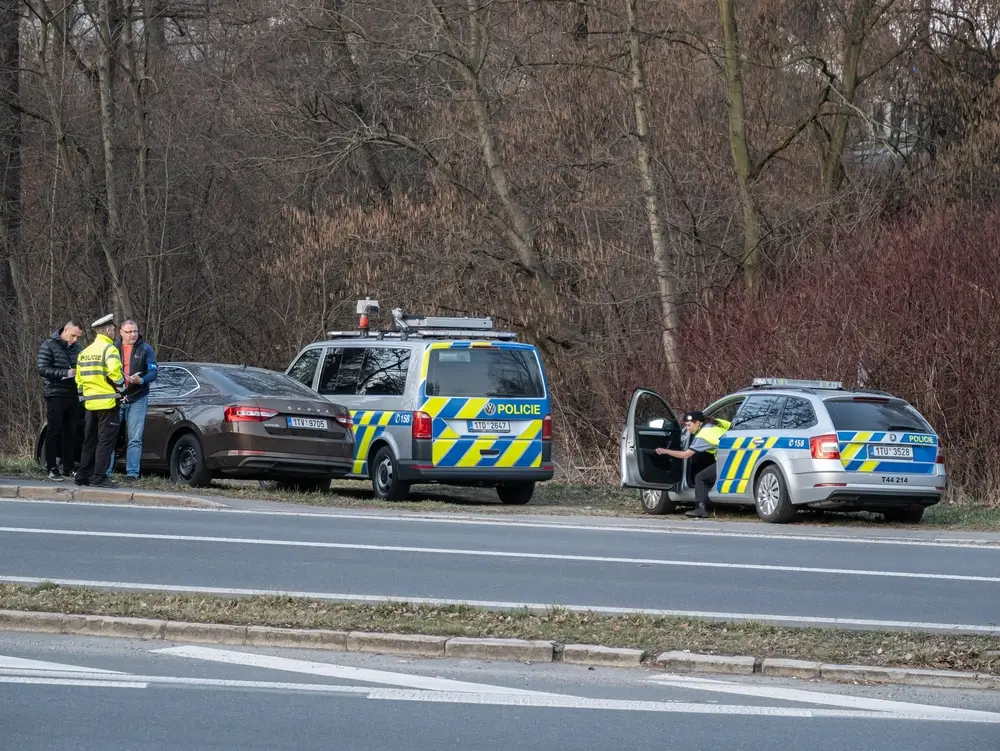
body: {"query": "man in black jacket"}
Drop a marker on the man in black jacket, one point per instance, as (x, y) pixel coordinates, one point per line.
(57, 367)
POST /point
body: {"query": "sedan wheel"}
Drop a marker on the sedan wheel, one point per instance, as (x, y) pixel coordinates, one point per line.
(187, 463)
(771, 496)
(657, 502)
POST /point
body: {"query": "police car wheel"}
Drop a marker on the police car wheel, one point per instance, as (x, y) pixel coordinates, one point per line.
(385, 477)
(187, 463)
(656, 501)
(771, 496)
(515, 493)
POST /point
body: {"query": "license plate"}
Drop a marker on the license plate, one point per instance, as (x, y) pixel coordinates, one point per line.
(312, 423)
(890, 452)
(489, 426)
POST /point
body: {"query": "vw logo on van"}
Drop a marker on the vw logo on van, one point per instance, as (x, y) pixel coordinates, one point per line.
(490, 408)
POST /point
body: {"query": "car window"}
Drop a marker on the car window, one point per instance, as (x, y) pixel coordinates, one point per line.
(870, 413)
(652, 412)
(484, 371)
(305, 367)
(171, 383)
(759, 413)
(383, 371)
(341, 370)
(249, 381)
(798, 414)
(726, 411)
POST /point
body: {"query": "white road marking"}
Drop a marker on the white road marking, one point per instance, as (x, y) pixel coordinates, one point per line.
(977, 543)
(19, 663)
(801, 620)
(501, 554)
(817, 697)
(539, 700)
(330, 670)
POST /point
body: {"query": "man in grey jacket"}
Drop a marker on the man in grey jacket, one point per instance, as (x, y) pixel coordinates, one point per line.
(57, 366)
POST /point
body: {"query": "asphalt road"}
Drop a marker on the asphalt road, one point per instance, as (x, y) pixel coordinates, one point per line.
(796, 577)
(162, 695)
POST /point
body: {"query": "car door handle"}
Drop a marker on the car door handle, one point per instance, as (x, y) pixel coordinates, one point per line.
(168, 411)
(756, 441)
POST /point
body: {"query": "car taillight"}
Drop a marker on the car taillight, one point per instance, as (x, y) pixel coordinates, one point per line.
(239, 413)
(421, 428)
(547, 428)
(345, 420)
(940, 456)
(824, 447)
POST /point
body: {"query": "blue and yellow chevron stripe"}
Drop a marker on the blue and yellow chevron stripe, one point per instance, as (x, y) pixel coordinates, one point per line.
(856, 456)
(745, 452)
(368, 426)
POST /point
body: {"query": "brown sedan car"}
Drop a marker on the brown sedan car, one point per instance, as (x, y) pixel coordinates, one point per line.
(207, 420)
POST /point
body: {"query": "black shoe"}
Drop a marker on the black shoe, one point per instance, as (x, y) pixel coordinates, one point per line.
(698, 512)
(54, 476)
(103, 482)
(80, 481)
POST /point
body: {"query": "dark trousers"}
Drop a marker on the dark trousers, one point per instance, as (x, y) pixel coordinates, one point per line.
(99, 439)
(703, 482)
(62, 413)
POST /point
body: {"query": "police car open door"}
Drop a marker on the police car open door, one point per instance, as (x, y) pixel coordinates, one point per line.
(651, 424)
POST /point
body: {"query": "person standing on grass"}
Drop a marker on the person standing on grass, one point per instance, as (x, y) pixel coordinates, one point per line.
(139, 366)
(56, 364)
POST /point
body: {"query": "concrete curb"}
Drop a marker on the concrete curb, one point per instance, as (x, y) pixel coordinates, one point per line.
(70, 492)
(519, 650)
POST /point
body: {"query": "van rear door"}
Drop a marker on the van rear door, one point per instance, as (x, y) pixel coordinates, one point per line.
(488, 403)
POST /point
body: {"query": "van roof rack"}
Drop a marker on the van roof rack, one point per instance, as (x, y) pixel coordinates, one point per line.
(406, 326)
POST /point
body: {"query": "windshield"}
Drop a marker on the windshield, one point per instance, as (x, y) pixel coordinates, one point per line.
(254, 381)
(486, 371)
(851, 414)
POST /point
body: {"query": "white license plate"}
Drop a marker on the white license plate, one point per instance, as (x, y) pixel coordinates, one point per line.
(489, 426)
(313, 423)
(890, 452)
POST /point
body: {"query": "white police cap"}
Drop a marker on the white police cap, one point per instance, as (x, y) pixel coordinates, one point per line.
(103, 321)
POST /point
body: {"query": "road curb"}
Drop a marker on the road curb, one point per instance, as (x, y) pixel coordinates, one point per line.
(458, 647)
(71, 492)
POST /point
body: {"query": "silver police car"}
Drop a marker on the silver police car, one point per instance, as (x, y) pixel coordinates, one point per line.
(793, 444)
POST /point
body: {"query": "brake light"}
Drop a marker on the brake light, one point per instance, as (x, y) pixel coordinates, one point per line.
(345, 420)
(421, 426)
(824, 447)
(547, 428)
(239, 413)
(940, 457)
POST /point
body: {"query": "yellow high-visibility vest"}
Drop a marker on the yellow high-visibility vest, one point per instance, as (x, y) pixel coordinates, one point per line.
(712, 434)
(99, 375)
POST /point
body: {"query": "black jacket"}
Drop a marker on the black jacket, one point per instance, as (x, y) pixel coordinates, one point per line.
(142, 361)
(55, 358)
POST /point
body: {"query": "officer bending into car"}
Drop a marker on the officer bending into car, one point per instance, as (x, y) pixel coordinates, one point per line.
(706, 433)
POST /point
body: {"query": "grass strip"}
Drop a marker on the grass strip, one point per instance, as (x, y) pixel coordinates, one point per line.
(550, 498)
(652, 633)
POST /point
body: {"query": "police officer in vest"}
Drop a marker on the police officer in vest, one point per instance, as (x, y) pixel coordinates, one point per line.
(706, 432)
(100, 383)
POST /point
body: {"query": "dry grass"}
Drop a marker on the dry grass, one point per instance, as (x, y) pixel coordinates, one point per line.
(551, 498)
(655, 634)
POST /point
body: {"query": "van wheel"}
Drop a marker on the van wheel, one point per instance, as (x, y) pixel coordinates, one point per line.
(385, 477)
(771, 496)
(187, 463)
(515, 493)
(656, 501)
(904, 515)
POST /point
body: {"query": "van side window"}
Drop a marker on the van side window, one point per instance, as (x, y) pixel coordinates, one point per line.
(759, 413)
(304, 368)
(345, 382)
(798, 415)
(383, 372)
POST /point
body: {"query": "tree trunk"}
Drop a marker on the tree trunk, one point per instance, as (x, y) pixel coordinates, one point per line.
(662, 260)
(109, 27)
(854, 40)
(742, 162)
(11, 283)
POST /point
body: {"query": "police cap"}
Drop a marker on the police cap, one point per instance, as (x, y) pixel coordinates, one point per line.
(694, 416)
(103, 321)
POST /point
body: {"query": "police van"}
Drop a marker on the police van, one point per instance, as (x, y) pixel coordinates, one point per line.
(792, 444)
(437, 399)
